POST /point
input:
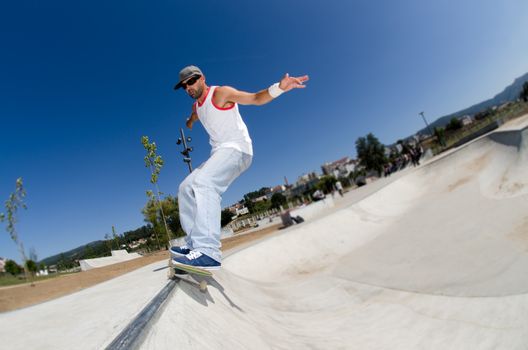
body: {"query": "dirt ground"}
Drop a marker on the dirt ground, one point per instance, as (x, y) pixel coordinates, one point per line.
(16, 297)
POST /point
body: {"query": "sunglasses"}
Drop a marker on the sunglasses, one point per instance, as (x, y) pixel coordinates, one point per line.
(190, 82)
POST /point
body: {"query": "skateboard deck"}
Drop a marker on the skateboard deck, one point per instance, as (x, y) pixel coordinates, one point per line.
(176, 271)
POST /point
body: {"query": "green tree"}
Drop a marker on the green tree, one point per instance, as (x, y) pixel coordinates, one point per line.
(524, 93)
(154, 162)
(371, 153)
(357, 175)
(484, 114)
(88, 252)
(225, 217)
(345, 181)
(13, 268)
(248, 203)
(440, 135)
(13, 203)
(354, 175)
(153, 216)
(278, 200)
(255, 194)
(142, 232)
(454, 124)
(65, 262)
(394, 154)
(251, 196)
(31, 266)
(261, 206)
(326, 184)
(172, 215)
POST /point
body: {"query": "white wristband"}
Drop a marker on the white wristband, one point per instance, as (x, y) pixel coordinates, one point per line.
(275, 91)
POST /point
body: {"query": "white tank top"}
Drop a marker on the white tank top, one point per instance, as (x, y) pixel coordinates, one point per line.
(225, 126)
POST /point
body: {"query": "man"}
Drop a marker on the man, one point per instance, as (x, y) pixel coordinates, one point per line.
(200, 194)
(339, 188)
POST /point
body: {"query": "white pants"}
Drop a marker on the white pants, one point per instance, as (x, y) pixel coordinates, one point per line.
(200, 196)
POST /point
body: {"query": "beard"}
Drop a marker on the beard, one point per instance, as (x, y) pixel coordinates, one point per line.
(195, 93)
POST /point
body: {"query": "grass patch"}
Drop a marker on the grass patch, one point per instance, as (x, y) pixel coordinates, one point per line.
(10, 280)
(511, 112)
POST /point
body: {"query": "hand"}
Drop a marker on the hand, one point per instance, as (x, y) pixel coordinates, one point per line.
(189, 123)
(287, 83)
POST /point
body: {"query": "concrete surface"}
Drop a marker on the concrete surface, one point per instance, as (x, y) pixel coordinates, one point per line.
(435, 257)
(89, 319)
(435, 260)
(116, 257)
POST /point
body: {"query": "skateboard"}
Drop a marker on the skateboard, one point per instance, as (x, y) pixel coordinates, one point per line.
(177, 271)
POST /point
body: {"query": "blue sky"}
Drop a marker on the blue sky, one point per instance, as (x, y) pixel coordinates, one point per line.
(81, 82)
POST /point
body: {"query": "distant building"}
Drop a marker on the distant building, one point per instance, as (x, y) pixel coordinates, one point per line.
(306, 178)
(42, 272)
(277, 189)
(238, 209)
(233, 208)
(303, 185)
(388, 151)
(466, 120)
(2, 265)
(261, 198)
(242, 211)
(339, 168)
(136, 244)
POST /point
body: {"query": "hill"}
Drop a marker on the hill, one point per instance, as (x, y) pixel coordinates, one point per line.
(73, 254)
(510, 93)
(99, 248)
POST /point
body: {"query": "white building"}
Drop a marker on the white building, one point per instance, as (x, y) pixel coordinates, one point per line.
(2, 264)
(339, 168)
(261, 198)
(277, 189)
(466, 120)
(42, 273)
(242, 211)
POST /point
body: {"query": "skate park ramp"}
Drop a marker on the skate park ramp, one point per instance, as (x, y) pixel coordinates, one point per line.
(434, 257)
(116, 257)
(435, 260)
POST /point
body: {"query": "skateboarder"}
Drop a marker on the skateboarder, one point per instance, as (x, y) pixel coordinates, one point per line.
(200, 194)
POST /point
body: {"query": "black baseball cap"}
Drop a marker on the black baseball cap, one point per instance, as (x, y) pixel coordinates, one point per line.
(186, 73)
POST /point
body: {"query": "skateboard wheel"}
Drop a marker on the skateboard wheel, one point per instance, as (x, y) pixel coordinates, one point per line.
(203, 286)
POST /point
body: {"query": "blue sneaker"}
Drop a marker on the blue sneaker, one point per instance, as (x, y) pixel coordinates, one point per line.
(180, 251)
(197, 259)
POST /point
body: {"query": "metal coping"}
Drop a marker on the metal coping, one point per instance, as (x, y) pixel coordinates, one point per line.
(131, 336)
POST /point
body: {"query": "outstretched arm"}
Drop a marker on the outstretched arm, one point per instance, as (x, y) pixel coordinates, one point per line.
(226, 94)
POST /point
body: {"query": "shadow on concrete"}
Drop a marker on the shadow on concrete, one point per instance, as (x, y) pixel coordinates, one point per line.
(190, 285)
